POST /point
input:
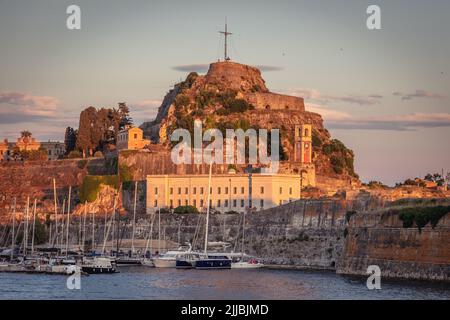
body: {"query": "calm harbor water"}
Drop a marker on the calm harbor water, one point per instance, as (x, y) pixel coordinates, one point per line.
(152, 283)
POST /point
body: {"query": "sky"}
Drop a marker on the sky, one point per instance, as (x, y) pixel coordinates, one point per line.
(384, 93)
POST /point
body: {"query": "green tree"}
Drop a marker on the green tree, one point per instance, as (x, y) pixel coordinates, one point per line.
(124, 114)
(70, 139)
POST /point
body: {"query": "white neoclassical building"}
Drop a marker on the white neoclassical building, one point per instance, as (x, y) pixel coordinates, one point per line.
(229, 192)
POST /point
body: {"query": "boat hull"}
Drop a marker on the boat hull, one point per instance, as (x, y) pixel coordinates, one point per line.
(246, 265)
(164, 263)
(98, 270)
(184, 264)
(213, 264)
(128, 262)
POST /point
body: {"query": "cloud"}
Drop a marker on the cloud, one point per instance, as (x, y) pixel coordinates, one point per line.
(305, 93)
(200, 68)
(419, 93)
(404, 122)
(359, 100)
(203, 68)
(316, 96)
(17, 107)
(267, 68)
(144, 110)
(146, 103)
(327, 113)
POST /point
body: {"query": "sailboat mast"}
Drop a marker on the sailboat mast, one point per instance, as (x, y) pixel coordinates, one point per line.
(93, 230)
(25, 237)
(150, 237)
(56, 213)
(207, 208)
(13, 229)
(159, 230)
(106, 234)
(34, 226)
(62, 223)
(134, 216)
(243, 234)
(68, 222)
(83, 241)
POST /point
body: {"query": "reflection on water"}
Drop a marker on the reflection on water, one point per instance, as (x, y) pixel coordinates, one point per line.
(152, 283)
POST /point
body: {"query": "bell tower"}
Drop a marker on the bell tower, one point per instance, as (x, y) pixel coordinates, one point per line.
(303, 144)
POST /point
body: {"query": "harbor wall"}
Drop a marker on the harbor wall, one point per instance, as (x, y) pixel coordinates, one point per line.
(379, 238)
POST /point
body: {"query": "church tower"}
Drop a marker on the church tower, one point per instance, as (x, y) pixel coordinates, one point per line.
(303, 144)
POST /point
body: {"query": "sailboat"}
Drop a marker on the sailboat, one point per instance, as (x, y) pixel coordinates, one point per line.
(147, 260)
(245, 261)
(131, 259)
(211, 260)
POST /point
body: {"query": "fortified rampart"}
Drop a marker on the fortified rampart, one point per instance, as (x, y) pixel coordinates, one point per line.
(379, 238)
(275, 101)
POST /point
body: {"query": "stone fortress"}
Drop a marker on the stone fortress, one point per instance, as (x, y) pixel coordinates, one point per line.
(248, 81)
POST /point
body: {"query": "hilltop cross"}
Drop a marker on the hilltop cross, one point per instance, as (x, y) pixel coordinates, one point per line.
(226, 34)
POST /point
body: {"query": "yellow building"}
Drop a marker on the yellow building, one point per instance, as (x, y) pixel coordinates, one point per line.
(229, 192)
(131, 138)
(27, 143)
(4, 150)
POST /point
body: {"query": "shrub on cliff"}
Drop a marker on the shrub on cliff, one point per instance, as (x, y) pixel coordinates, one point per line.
(185, 209)
(341, 158)
(421, 216)
(126, 176)
(234, 106)
(316, 141)
(91, 186)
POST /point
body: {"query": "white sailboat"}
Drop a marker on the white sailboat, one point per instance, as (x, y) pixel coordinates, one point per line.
(245, 261)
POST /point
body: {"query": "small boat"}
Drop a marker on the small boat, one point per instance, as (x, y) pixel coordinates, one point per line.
(128, 261)
(147, 262)
(251, 264)
(99, 265)
(166, 260)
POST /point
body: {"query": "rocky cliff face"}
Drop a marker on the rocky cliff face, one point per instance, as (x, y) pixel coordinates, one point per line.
(232, 96)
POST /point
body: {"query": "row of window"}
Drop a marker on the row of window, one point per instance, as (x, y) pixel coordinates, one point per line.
(219, 190)
(123, 137)
(219, 203)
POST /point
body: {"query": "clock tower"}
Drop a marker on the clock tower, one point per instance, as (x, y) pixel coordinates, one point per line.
(303, 144)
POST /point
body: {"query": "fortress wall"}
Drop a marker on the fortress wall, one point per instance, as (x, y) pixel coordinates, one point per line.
(380, 239)
(235, 76)
(275, 101)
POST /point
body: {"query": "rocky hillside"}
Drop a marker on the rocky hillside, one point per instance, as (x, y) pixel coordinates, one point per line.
(232, 96)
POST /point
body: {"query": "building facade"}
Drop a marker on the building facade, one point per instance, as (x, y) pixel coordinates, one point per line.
(4, 150)
(303, 144)
(27, 143)
(54, 149)
(131, 138)
(8, 150)
(229, 192)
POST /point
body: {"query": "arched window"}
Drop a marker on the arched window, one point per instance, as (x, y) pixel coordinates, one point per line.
(306, 133)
